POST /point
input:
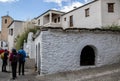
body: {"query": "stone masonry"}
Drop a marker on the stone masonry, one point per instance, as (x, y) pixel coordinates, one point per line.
(6, 21)
(60, 50)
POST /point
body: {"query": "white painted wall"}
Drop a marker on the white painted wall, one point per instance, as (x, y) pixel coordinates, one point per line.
(30, 45)
(45, 19)
(99, 15)
(11, 38)
(17, 27)
(60, 51)
(37, 53)
(110, 18)
(79, 19)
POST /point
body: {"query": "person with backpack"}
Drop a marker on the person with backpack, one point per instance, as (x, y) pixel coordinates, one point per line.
(22, 56)
(13, 60)
(5, 58)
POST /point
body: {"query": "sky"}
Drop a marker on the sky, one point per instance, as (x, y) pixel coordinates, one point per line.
(28, 9)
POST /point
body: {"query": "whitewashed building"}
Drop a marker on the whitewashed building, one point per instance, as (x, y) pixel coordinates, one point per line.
(50, 18)
(15, 29)
(70, 41)
(96, 14)
(59, 50)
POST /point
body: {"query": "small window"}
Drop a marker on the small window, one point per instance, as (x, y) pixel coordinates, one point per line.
(39, 22)
(71, 21)
(110, 7)
(87, 12)
(58, 19)
(11, 31)
(64, 19)
(5, 21)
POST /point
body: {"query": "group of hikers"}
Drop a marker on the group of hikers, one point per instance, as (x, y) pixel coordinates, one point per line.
(14, 57)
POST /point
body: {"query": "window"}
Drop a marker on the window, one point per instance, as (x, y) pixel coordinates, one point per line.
(55, 20)
(110, 7)
(71, 21)
(5, 21)
(39, 22)
(58, 19)
(64, 19)
(11, 31)
(87, 12)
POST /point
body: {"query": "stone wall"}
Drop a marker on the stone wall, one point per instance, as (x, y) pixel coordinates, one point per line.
(60, 50)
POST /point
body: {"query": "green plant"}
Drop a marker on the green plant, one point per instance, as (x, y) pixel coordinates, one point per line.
(23, 37)
(112, 27)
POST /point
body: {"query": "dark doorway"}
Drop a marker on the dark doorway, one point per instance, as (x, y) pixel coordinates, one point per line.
(87, 56)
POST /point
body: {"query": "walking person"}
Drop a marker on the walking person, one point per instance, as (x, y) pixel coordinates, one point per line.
(22, 56)
(13, 60)
(5, 58)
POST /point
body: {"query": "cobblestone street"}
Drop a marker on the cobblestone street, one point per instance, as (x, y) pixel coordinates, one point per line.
(105, 73)
(30, 75)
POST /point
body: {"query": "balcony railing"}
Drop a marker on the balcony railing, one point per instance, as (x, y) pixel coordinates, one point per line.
(52, 24)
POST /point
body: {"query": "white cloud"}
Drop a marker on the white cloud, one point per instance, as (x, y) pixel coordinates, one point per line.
(4, 1)
(59, 2)
(86, 1)
(70, 6)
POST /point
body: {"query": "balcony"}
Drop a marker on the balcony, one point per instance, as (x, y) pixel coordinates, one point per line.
(52, 24)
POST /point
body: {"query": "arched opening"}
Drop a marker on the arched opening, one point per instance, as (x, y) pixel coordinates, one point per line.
(87, 56)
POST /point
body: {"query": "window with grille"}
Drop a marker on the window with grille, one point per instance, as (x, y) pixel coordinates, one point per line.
(71, 20)
(110, 7)
(39, 22)
(87, 13)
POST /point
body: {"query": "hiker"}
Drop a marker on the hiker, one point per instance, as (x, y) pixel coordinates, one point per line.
(13, 60)
(22, 56)
(5, 58)
(2, 56)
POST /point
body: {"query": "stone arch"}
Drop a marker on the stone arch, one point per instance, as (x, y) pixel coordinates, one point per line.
(88, 56)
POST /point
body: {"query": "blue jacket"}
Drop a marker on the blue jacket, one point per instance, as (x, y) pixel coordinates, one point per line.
(21, 51)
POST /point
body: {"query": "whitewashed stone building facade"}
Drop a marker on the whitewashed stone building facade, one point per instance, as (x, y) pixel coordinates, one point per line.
(96, 14)
(15, 29)
(70, 41)
(59, 50)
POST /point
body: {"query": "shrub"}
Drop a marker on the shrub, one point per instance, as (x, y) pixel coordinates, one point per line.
(20, 38)
(112, 27)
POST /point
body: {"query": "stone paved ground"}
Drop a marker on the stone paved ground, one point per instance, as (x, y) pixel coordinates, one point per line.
(30, 74)
(106, 73)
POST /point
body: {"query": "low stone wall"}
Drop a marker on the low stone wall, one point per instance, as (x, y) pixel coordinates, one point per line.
(60, 50)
